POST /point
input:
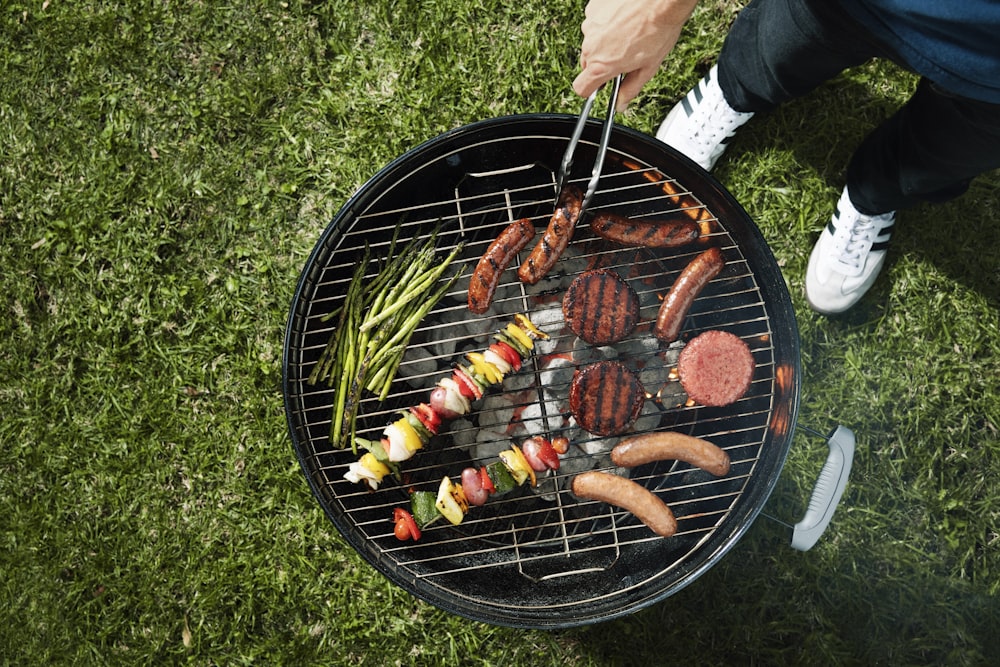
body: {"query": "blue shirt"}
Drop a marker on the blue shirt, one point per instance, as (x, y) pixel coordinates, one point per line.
(954, 43)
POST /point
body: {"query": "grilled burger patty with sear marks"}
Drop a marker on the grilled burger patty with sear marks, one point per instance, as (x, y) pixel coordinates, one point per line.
(606, 397)
(600, 307)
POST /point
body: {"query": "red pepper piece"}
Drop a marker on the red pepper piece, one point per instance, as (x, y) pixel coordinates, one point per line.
(487, 482)
(507, 353)
(548, 454)
(430, 419)
(540, 454)
(467, 385)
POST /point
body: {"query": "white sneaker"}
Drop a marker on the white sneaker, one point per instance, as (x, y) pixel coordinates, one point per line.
(847, 257)
(702, 122)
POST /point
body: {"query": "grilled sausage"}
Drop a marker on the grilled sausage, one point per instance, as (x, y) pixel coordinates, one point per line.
(605, 397)
(668, 233)
(622, 492)
(600, 307)
(685, 289)
(716, 368)
(555, 239)
(500, 253)
(640, 449)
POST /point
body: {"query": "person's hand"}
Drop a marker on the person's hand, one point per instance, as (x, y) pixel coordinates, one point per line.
(631, 37)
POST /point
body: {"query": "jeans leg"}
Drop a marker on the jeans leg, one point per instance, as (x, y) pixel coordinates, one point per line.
(929, 151)
(778, 50)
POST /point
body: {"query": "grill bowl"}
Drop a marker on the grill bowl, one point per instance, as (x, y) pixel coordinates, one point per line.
(542, 558)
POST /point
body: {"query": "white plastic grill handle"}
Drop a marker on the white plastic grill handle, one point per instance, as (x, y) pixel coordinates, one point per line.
(828, 490)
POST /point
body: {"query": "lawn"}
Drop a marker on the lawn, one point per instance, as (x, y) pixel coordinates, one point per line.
(165, 170)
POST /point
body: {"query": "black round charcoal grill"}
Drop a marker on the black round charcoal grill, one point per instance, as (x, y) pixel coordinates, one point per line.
(541, 557)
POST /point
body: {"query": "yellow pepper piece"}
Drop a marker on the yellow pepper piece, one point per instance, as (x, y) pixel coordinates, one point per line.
(458, 493)
(411, 439)
(377, 468)
(484, 368)
(529, 326)
(518, 466)
(518, 334)
(524, 462)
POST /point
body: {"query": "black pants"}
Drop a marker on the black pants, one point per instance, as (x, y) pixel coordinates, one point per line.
(929, 150)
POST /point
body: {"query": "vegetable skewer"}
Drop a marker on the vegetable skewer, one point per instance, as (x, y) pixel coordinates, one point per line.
(452, 397)
(454, 499)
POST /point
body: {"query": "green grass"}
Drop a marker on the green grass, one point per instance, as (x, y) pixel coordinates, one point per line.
(165, 169)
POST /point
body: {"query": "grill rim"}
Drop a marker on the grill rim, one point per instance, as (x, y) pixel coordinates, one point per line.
(785, 341)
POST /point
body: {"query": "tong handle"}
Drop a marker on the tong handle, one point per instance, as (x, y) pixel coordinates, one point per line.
(602, 148)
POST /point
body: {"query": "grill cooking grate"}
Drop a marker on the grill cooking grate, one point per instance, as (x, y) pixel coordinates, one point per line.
(547, 547)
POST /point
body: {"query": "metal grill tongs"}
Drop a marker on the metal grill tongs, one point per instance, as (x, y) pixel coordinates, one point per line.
(567, 161)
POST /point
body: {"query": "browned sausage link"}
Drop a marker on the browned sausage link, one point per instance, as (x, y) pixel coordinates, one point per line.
(555, 239)
(685, 289)
(649, 233)
(628, 495)
(495, 260)
(639, 449)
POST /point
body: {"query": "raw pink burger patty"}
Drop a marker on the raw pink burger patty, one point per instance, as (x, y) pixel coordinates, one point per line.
(715, 368)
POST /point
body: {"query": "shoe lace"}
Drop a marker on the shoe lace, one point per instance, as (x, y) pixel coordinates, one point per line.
(715, 126)
(855, 241)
